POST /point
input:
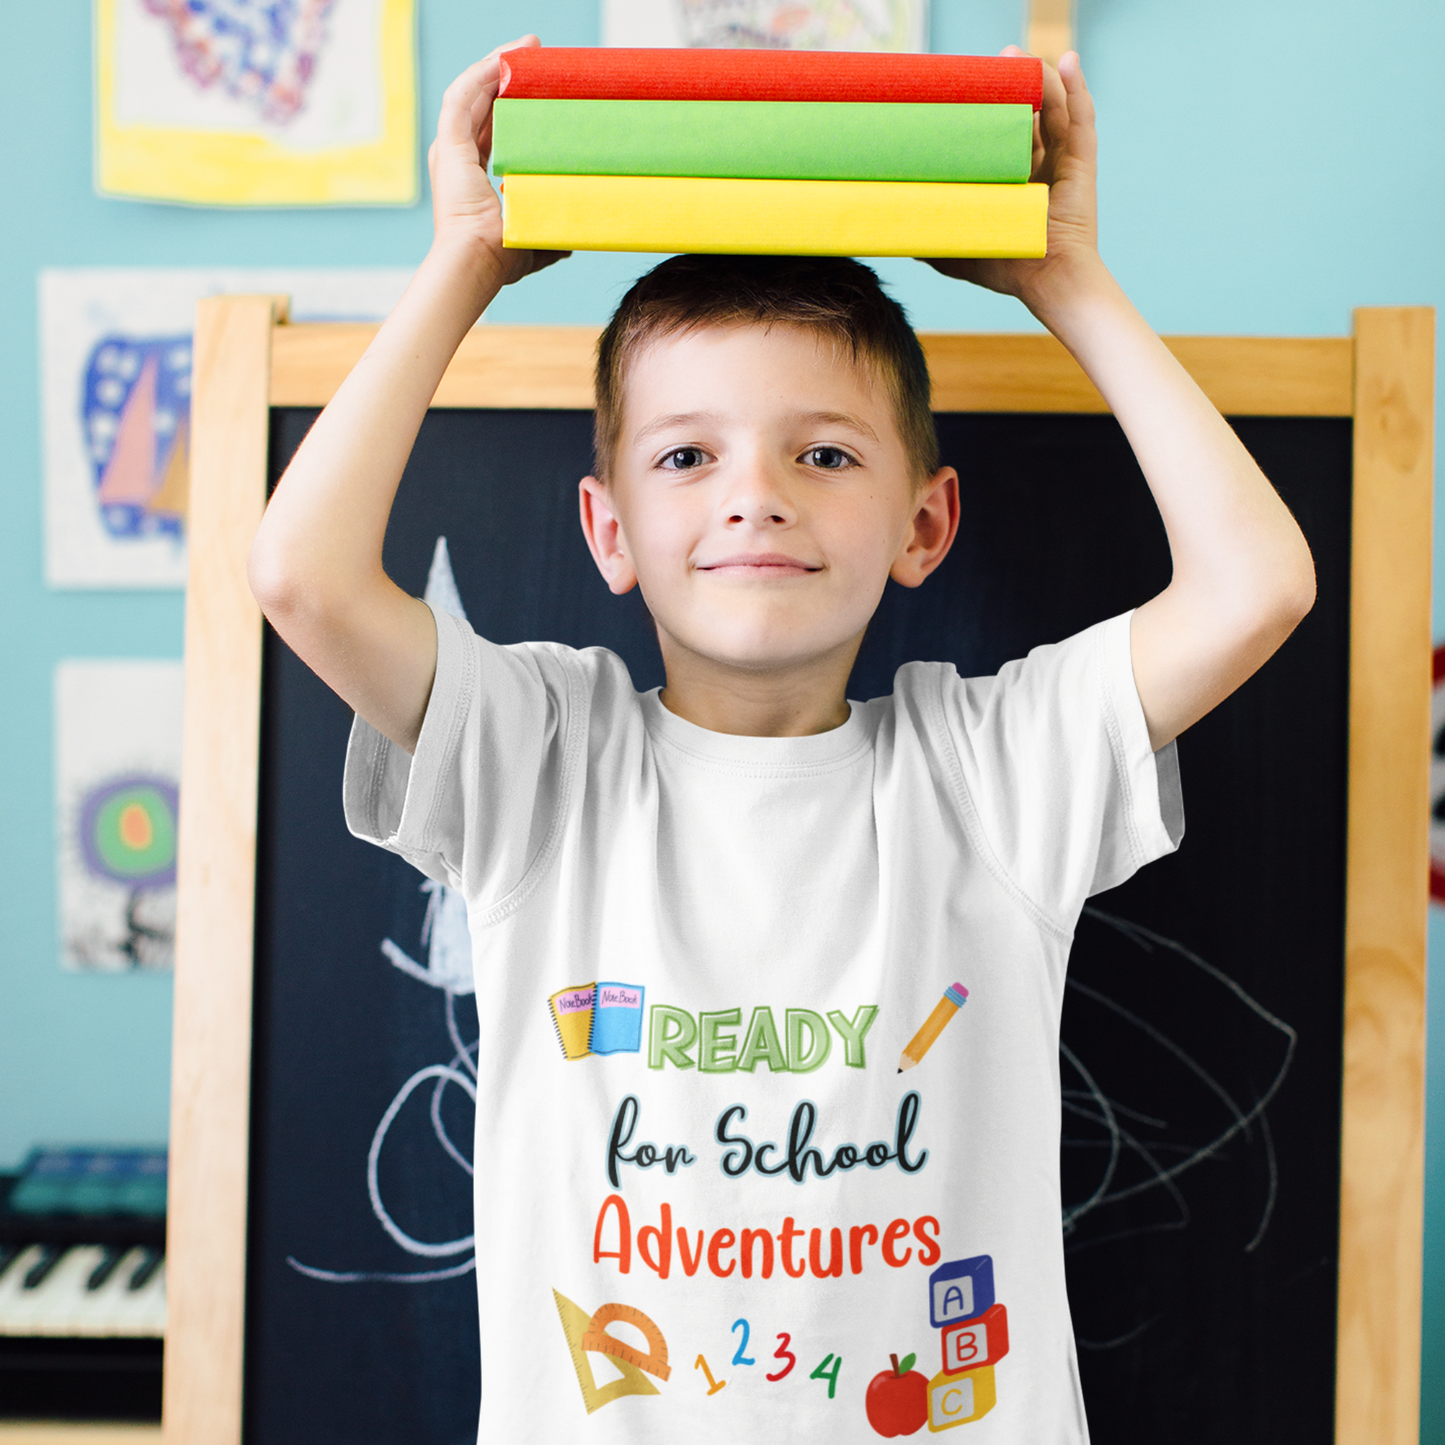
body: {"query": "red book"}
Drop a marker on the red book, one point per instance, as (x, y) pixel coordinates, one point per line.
(607, 74)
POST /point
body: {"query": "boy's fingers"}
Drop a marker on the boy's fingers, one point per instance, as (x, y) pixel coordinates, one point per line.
(471, 93)
(467, 101)
(1082, 140)
(541, 259)
(1076, 88)
(522, 42)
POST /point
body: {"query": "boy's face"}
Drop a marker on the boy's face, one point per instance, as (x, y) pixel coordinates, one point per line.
(761, 497)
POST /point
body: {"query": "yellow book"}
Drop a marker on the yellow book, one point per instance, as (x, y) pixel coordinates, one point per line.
(572, 1018)
(775, 218)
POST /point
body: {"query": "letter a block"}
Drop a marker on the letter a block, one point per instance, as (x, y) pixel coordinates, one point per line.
(958, 1399)
(960, 1290)
(975, 1343)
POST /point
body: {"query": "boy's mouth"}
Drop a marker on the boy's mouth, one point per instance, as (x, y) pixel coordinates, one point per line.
(758, 564)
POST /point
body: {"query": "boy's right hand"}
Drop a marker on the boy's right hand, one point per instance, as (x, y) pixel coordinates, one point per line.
(466, 209)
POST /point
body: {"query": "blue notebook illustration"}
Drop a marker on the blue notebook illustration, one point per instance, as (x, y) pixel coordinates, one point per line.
(616, 1019)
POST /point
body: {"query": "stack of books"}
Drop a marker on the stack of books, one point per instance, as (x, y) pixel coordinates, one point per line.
(769, 152)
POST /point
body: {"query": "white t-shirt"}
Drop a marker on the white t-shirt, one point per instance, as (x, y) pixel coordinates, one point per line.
(709, 1203)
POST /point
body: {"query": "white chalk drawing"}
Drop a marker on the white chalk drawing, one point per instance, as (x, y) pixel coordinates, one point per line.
(1140, 1158)
(768, 24)
(448, 943)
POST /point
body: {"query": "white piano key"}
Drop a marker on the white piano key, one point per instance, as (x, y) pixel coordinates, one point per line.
(19, 1306)
(63, 1305)
(61, 1296)
(138, 1312)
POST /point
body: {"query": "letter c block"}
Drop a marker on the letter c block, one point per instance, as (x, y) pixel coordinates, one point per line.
(974, 1343)
(960, 1399)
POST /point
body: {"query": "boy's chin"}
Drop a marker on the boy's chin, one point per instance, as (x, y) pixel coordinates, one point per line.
(754, 651)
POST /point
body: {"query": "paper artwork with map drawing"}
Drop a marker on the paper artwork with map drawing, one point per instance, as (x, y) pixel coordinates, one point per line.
(115, 396)
(256, 102)
(768, 24)
(117, 777)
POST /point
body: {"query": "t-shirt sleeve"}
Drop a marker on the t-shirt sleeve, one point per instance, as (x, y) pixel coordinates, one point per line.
(1056, 768)
(474, 807)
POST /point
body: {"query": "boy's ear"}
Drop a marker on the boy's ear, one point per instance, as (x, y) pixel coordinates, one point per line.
(604, 536)
(931, 531)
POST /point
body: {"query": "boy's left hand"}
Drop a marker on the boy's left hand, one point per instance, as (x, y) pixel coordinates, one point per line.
(1065, 149)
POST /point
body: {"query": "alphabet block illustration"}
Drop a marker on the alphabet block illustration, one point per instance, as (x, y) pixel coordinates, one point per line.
(978, 1342)
(960, 1399)
(960, 1290)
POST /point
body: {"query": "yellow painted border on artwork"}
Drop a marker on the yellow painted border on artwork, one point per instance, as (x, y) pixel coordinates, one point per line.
(205, 168)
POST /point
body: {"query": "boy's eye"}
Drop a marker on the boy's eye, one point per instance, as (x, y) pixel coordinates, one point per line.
(684, 459)
(826, 459)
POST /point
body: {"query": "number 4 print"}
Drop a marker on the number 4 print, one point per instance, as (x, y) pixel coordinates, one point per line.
(822, 1372)
(783, 1353)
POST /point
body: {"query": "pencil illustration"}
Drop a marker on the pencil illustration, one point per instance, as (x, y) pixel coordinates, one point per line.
(952, 1000)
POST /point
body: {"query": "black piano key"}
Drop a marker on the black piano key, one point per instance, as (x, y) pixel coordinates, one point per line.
(8, 1254)
(103, 1271)
(150, 1263)
(50, 1256)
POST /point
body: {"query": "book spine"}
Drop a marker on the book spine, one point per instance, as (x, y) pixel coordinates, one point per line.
(765, 139)
(790, 75)
(763, 217)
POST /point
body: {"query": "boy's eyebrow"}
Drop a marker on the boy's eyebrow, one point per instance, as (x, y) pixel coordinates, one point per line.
(836, 418)
(689, 418)
(674, 419)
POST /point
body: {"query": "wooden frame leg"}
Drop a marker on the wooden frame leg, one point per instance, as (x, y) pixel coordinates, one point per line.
(211, 1049)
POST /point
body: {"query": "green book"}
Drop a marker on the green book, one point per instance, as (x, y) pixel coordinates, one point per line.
(764, 139)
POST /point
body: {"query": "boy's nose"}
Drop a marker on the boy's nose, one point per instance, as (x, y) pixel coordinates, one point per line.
(757, 498)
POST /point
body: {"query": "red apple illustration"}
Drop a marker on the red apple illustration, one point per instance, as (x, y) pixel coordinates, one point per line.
(897, 1399)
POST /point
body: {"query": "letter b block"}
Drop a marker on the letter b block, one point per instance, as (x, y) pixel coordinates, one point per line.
(960, 1290)
(959, 1399)
(975, 1343)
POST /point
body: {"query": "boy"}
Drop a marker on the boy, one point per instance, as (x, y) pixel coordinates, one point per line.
(704, 892)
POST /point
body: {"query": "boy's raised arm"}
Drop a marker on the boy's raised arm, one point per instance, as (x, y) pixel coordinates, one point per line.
(1243, 576)
(316, 562)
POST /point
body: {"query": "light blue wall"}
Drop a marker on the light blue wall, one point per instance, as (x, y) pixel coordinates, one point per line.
(1266, 165)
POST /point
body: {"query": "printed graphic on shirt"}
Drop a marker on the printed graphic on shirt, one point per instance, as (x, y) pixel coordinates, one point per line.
(901, 1400)
(598, 1018)
(954, 998)
(588, 1334)
(796, 1141)
(716, 1042)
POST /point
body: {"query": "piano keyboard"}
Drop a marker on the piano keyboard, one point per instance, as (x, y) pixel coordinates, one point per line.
(82, 1290)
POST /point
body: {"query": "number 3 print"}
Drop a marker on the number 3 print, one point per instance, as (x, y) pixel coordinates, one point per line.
(783, 1353)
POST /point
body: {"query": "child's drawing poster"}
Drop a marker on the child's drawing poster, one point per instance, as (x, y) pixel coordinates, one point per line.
(115, 393)
(768, 24)
(117, 780)
(257, 102)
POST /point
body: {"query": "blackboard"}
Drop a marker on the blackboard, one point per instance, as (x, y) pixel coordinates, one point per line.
(1203, 1023)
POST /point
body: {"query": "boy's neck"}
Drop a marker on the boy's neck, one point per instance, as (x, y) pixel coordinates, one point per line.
(787, 702)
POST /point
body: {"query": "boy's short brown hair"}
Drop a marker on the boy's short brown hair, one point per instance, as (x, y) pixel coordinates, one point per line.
(836, 297)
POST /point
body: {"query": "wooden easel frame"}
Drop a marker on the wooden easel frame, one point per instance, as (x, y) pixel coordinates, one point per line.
(247, 359)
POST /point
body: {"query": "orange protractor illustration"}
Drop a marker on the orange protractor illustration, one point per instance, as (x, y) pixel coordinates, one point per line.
(597, 1338)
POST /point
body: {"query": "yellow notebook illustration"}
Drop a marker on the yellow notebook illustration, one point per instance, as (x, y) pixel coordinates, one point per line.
(603, 1017)
(572, 1018)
